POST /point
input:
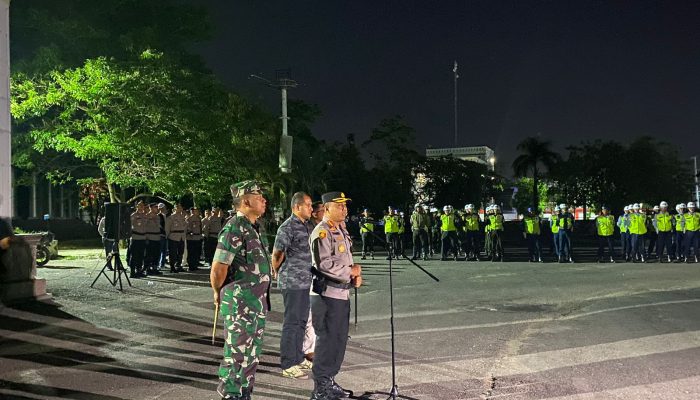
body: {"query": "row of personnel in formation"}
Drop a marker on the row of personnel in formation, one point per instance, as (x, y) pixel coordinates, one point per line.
(642, 229)
(158, 237)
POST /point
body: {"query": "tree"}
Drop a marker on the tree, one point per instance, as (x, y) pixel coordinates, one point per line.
(147, 124)
(523, 197)
(535, 153)
(449, 180)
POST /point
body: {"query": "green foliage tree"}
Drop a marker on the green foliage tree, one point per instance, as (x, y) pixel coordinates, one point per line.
(536, 156)
(149, 124)
(523, 197)
(449, 180)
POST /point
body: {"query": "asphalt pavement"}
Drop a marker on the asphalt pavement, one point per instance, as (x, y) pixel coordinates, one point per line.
(486, 330)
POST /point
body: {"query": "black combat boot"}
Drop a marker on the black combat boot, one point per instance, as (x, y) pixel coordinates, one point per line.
(322, 391)
(339, 391)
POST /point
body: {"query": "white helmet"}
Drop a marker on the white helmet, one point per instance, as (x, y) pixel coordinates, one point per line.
(433, 209)
(635, 206)
(556, 208)
(627, 208)
(656, 208)
(691, 204)
(562, 206)
(682, 205)
(663, 204)
(445, 208)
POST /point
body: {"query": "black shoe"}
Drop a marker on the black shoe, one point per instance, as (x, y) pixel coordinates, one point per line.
(339, 391)
(174, 271)
(388, 258)
(444, 259)
(154, 272)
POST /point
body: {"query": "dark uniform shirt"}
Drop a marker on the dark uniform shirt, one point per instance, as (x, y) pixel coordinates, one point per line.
(293, 239)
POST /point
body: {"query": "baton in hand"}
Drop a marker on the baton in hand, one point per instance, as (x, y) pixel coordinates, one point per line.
(216, 319)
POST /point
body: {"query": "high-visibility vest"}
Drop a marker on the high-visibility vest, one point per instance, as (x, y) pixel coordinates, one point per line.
(532, 225)
(391, 224)
(366, 225)
(605, 225)
(555, 223)
(624, 226)
(692, 221)
(638, 224)
(566, 221)
(471, 222)
(496, 222)
(448, 223)
(678, 218)
(663, 222)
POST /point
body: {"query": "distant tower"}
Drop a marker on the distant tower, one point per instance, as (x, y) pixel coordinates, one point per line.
(454, 69)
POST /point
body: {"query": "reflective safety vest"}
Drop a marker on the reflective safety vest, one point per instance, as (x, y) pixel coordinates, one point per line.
(566, 221)
(496, 222)
(663, 222)
(678, 218)
(366, 225)
(391, 224)
(471, 222)
(532, 225)
(555, 223)
(638, 224)
(623, 223)
(605, 225)
(692, 221)
(448, 223)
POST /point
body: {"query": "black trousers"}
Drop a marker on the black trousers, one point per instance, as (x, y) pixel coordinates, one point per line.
(533, 247)
(420, 243)
(367, 243)
(175, 250)
(210, 249)
(152, 254)
(663, 241)
(471, 243)
(296, 313)
(194, 252)
(604, 241)
(393, 239)
(449, 243)
(137, 252)
(331, 319)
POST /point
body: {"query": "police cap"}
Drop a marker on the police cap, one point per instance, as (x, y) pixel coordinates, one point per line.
(334, 197)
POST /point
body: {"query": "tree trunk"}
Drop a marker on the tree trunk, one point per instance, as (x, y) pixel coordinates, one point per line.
(112, 194)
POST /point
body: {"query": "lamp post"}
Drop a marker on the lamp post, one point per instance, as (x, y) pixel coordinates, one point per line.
(5, 134)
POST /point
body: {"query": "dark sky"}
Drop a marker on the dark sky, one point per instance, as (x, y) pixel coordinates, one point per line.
(568, 70)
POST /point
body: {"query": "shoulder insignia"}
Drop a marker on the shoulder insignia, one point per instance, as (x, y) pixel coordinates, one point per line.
(322, 234)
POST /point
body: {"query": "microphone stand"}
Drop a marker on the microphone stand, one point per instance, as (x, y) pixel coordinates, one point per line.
(394, 392)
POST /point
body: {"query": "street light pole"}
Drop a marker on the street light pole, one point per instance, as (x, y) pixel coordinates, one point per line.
(5, 133)
(697, 188)
(454, 70)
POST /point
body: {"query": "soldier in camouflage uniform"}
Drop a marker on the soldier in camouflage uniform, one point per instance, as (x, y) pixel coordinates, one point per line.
(334, 274)
(240, 278)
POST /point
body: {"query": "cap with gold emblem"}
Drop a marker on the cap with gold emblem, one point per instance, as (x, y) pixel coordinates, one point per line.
(246, 187)
(334, 197)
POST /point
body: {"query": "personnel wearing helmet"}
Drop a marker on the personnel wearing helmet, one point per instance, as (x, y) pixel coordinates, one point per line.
(435, 232)
(623, 223)
(531, 233)
(691, 225)
(495, 230)
(605, 228)
(391, 231)
(366, 231)
(420, 225)
(471, 233)
(663, 226)
(449, 233)
(651, 237)
(554, 227)
(566, 227)
(678, 236)
(401, 237)
(637, 231)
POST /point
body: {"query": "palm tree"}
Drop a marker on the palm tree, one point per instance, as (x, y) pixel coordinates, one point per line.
(536, 153)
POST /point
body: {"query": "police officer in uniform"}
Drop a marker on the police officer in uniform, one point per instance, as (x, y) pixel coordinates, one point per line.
(554, 227)
(637, 231)
(175, 226)
(137, 245)
(194, 239)
(678, 237)
(391, 230)
(210, 230)
(663, 225)
(420, 224)
(471, 233)
(163, 241)
(531, 233)
(366, 230)
(566, 227)
(691, 227)
(334, 274)
(240, 278)
(152, 240)
(623, 223)
(495, 229)
(435, 231)
(605, 227)
(449, 233)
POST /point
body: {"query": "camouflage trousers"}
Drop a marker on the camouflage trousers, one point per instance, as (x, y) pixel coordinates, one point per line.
(243, 314)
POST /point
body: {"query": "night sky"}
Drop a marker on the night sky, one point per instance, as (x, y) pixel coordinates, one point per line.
(566, 70)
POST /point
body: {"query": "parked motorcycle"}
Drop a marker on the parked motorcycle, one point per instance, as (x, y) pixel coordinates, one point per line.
(46, 249)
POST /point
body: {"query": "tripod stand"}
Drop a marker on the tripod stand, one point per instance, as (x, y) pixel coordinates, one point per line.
(117, 270)
(394, 392)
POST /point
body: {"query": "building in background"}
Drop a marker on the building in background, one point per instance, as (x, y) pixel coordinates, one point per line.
(479, 154)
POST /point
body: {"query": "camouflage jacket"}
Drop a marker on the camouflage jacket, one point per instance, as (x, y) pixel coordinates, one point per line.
(241, 248)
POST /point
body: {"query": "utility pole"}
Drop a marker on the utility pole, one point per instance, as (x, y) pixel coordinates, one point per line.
(454, 70)
(282, 82)
(5, 135)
